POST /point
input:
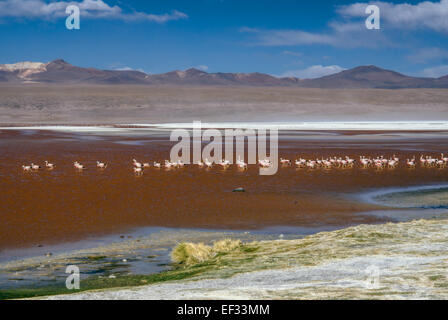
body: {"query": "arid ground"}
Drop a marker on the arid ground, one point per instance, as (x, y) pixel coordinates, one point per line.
(96, 104)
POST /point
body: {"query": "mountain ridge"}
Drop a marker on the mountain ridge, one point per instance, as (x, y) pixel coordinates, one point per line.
(60, 71)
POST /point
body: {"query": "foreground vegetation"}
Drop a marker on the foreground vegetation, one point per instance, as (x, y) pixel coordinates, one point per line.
(412, 256)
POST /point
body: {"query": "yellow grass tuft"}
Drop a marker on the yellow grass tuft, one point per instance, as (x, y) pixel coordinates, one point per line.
(191, 253)
(188, 253)
(226, 245)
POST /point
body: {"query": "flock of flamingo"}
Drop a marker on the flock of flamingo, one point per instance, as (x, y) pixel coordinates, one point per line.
(380, 162)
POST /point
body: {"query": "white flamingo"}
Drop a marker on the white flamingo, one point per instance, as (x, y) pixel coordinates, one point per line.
(157, 165)
(78, 166)
(264, 163)
(137, 164)
(200, 163)
(169, 164)
(35, 166)
(26, 168)
(444, 158)
(224, 163)
(49, 165)
(410, 163)
(208, 163)
(392, 163)
(101, 165)
(422, 160)
(241, 164)
(180, 164)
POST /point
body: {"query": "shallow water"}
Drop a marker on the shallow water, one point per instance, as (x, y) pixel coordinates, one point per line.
(62, 211)
(434, 198)
(415, 197)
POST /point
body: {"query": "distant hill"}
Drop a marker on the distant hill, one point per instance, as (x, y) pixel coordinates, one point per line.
(373, 77)
(59, 71)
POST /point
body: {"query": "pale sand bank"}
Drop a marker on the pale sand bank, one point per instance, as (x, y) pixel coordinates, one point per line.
(94, 104)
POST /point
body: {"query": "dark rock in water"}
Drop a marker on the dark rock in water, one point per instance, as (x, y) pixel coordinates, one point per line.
(48, 254)
(39, 246)
(239, 190)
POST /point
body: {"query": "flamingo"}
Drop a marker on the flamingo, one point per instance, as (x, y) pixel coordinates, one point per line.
(157, 164)
(265, 163)
(49, 165)
(300, 162)
(444, 158)
(379, 164)
(146, 165)
(241, 164)
(410, 163)
(224, 163)
(35, 166)
(138, 170)
(169, 164)
(365, 162)
(392, 163)
(26, 168)
(349, 160)
(78, 166)
(422, 160)
(311, 164)
(101, 165)
(200, 163)
(180, 164)
(137, 164)
(208, 163)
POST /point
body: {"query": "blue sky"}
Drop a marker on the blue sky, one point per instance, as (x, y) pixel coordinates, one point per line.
(279, 37)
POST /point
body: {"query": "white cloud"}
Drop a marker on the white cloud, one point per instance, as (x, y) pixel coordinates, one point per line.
(426, 14)
(312, 72)
(435, 72)
(341, 34)
(348, 29)
(202, 67)
(129, 69)
(428, 54)
(292, 53)
(292, 37)
(38, 9)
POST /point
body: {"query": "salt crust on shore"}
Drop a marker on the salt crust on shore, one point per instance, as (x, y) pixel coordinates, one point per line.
(411, 258)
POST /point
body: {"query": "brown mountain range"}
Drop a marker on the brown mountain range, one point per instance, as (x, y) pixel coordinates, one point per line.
(59, 71)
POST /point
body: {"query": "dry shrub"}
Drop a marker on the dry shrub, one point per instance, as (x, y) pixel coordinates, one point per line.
(188, 253)
(226, 245)
(191, 253)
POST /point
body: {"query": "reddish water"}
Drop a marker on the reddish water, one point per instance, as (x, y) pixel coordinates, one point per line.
(64, 204)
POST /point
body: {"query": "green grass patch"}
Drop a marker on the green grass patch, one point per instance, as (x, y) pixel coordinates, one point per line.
(97, 283)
